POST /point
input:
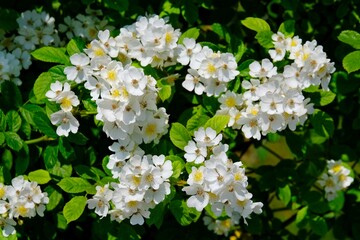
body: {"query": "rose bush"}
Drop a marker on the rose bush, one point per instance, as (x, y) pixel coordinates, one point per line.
(179, 120)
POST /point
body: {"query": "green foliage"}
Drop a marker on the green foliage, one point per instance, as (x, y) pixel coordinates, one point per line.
(282, 168)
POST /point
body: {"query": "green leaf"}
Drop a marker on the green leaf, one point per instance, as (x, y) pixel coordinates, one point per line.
(8, 19)
(351, 62)
(120, 6)
(74, 208)
(104, 163)
(165, 92)
(50, 156)
(287, 28)
(323, 123)
(2, 138)
(350, 37)
(178, 165)
(301, 217)
(264, 39)
(318, 225)
(7, 159)
(28, 112)
(52, 55)
(76, 45)
(22, 160)
(61, 171)
(190, 12)
(182, 213)
(221, 31)
(77, 138)
(244, 68)
(54, 198)
(218, 123)
(256, 24)
(43, 123)
(57, 73)
(321, 97)
(42, 85)
(75, 185)
(2, 121)
(13, 141)
(40, 176)
(198, 119)
(285, 194)
(190, 33)
(13, 120)
(179, 135)
(10, 95)
(87, 172)
(157, 215)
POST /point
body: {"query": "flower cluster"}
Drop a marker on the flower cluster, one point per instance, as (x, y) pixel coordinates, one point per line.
(217, 180)
(144, 183)
(64, 119)
(35, 29)
(218, 226)
(209, 71)
(84, 26)
(273, 100)
(21, 199)
(336, 178)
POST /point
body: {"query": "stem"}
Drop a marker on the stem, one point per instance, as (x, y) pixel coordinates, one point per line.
(40, 139)
(272, 152)
(84, 113)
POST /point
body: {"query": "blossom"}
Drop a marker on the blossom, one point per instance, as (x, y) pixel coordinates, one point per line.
(65, 121)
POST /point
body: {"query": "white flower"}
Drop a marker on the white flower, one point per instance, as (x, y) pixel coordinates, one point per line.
(56, 89)
(67, 101)
(193, 81)
(264, 70)
(187, 50)
(195, 153)
(207, 137)
(65, 121)
(78, 72)
(199, 198)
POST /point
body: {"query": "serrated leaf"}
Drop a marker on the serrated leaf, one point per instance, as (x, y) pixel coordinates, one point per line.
(52, 55)
(285, 194)
(13, 140)
(197, 120)
(165, 92)
(61, 171)
(179, 135)
(28, 112)
(351, 62)
(323, 123)
(318, 225)
(57, 73)
(218, 123)
(76, 45)
(190, 33)
(351, 38)
(22, 160)
(221, 31)
(86, 172)
(40, 176)
(77, 138)
(264, 39)
(178, 165)
(287, 28)
(54, 198)
(74, 208)
(256, 24)
(2, 138)
(75, 185)
(157, 215)
(13, 120)
(43, 123)
(182, 213)
(120, 6)
(2, 121)
(10, 95)
(42, 85)
(50, 156)
(301, 216)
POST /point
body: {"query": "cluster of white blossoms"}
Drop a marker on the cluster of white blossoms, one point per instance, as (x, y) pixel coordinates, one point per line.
(84, 26)
(217, 180)
(335, 179)
(220, 226)
(35, 29)
(143, 183)
(209, 71)
(272, 100)
(21, 199)
(63, 119)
